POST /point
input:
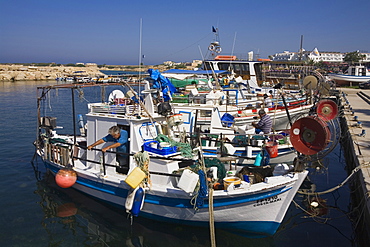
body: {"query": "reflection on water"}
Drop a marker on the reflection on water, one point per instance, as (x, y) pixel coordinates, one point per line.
(72, 216)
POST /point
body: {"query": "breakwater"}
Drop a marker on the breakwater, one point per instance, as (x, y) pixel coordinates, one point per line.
(34, 73)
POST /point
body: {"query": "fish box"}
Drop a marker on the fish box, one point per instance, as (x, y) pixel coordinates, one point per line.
(188, 181)
(135, 177)
(157, 148)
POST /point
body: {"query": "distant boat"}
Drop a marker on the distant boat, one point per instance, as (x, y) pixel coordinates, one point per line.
(355, 74)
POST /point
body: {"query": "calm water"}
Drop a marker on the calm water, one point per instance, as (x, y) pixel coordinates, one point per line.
(35, 212)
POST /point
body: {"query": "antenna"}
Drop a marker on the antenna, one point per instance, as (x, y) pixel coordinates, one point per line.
(141, 25)
(300, 49)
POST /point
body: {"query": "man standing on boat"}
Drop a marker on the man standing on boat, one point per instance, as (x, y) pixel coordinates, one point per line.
(119, 137)
(265, 123)
(267, 101)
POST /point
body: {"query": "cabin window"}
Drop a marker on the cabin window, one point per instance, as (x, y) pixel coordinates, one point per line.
(185, 116)
(258, 71)
(208, 66)
(205, 113)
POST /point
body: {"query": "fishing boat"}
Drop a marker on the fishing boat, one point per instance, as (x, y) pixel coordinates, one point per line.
(216, 131)
(167, 181)
(234, 96)
(354, 75)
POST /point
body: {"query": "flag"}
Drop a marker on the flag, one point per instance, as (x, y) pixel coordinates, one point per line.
(214, 29)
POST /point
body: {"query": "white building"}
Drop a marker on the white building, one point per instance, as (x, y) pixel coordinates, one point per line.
(315, 56)
(285, 56)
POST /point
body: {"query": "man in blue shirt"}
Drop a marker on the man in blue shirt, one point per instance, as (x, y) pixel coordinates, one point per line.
(119, 137)
(265, 123)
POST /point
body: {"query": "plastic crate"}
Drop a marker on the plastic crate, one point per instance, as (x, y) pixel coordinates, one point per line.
(227, 120)
(157, 149)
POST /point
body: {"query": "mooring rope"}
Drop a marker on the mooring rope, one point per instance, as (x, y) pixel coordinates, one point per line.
(211, 218)
(356, 169)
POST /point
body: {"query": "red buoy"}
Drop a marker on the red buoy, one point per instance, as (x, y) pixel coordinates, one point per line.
(65, 178)
(327, 109)
(309, 135)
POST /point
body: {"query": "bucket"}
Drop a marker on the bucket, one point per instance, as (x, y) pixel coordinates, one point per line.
(230, 180)
(272, 149)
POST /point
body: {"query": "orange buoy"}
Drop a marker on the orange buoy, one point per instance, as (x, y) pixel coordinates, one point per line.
(327, 109)
(309, 135)
(65, 178)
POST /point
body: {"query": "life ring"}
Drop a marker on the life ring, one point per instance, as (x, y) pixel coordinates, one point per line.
(218, 49)
(211, 47)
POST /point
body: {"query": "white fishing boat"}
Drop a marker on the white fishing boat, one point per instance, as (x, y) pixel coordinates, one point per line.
(241, 98)
(160, 185)
(216, 131)
(354, 75)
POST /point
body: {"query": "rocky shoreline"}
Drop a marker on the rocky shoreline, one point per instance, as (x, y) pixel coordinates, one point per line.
(24, 73)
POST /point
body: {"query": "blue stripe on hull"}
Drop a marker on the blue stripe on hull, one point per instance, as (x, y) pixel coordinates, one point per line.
(177, 202)
(218, 202)
(247, 228)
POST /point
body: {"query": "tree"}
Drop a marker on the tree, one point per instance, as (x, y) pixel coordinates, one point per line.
(354, 57)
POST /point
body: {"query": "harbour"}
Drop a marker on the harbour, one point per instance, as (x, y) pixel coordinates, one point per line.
(138, 130)
(87, 220)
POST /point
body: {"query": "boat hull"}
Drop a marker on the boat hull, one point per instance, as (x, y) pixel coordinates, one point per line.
(343, 80)
(245, 210)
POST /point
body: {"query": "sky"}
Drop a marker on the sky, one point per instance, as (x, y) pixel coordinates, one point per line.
(120, 32)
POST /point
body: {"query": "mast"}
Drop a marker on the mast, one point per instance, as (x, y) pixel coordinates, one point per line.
(141, 25)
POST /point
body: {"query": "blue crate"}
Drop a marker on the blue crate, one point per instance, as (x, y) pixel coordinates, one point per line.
(159, 150)
(227, 120)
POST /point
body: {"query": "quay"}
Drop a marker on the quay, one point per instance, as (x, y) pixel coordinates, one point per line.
(355, 125)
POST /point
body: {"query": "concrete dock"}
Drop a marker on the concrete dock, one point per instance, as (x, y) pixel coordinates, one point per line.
(355, 125)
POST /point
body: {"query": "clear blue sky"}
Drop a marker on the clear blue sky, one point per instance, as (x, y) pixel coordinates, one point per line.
(108, 31)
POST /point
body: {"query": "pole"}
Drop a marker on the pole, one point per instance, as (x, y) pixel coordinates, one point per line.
(74, 117)
(286, 109)
(141, 26)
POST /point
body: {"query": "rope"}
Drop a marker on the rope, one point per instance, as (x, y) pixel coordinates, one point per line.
(336, 187)
(211, 218)
(184, 148)
(142, 160)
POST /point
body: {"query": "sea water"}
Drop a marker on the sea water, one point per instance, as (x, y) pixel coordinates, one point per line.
(36, 212)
